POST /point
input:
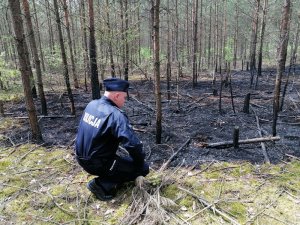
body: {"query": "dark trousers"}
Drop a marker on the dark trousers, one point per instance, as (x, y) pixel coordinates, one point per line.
(113, 173)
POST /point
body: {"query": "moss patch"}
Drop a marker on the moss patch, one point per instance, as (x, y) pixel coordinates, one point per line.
(170, 191)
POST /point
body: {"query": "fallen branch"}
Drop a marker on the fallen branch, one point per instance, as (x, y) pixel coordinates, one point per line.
(263, 146)
(227, 144)
(142, 104)
(210, 206)
(292, 156)
(52, 117)
(174, 154)
(252, 219)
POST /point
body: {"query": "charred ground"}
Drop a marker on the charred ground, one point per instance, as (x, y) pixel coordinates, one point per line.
(192, 114)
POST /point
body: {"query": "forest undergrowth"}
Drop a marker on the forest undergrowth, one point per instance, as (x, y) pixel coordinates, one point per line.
(189, 183)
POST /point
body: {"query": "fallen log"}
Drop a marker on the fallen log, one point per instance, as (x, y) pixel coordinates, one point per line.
(228, 144)
(263, 146)
(42, 116)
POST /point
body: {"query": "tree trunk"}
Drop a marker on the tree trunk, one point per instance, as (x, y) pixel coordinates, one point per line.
(124, 37)
(201, 32)
(49, 22)
(93, 54)
(295, 48)
(73, 27)
(195, 40)
(126, 66)
(156, 68)
(122, 45)
(168, 52)
(188, 59)
(64, 58)
(75, 80)
(254, 40)
(4, 45)
(224, 36)
(112, 64)
(209, 37)
(216, 37)
(36, 56)
(39, 36)
(262, 35)
(281, 59)
(25, 68)
(84, 43)
(11, 44)
(236, 33)
(176, 31)
(139, 32)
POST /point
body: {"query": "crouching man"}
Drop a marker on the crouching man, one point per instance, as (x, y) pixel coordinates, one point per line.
(102, 128)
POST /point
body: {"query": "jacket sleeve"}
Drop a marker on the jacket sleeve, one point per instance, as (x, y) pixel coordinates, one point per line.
(129, 140)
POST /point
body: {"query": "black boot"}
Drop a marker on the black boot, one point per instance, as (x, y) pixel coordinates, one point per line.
(98, 191)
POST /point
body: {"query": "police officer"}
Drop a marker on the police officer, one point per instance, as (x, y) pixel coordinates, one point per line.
(102, 128)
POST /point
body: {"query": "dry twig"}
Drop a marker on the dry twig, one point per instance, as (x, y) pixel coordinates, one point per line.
(214, 208)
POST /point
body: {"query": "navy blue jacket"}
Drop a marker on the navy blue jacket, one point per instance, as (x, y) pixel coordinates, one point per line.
(102, 128)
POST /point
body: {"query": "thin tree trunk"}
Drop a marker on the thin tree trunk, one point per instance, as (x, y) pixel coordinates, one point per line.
(224, 36)
(262, 35)
(64, 58)
(36, 56)
(209, 50)
(176, 32)
(188, 32)
(4, 44)
(281, 59)
(168, 52)
(84, 43)
(151, 22)
(25, 68)
(139, 32)
(236, 33)
(216, 38)
(195, 41)
(254, 40)
(201, 31)
(156, 68)
(73, 27)
(295, 49)
(11, 45)
(126, 66)
(93, 54)
(39, 36)
(49, 22)
(122, 33)
(112, 64)
(75, 80)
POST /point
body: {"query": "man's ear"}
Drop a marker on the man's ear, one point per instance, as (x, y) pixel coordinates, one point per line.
(116, 95)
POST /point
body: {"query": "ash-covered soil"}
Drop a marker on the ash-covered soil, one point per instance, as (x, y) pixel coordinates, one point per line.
(191, 113)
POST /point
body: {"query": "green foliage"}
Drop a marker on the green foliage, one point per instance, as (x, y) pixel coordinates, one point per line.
(53, 59)
(229, 50)
(146, 53)
(9, 82)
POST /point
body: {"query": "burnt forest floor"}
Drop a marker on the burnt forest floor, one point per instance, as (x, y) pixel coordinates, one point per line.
(193, 113)
(191, 120)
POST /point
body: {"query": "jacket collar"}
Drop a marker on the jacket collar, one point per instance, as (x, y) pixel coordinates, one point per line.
(108, 101)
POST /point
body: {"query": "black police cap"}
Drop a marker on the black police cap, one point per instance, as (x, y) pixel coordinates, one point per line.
(116, 84)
